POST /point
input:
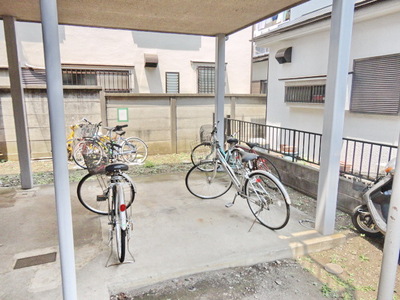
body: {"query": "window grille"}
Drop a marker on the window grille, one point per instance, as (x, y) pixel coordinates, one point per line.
(172, 82)
(376, 85)
(111, 80)
(305, 94)
(206, 80)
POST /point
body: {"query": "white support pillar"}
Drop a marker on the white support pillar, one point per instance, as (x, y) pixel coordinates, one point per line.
(332, 134)
(18, 102)
(220, 86)
(391, 247)
(55, 98)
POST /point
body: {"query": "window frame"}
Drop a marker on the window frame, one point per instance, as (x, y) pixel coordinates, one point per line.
(376, 85)
(167, 82)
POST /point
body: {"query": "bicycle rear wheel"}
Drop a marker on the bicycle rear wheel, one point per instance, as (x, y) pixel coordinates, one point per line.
(267, 200)
(264, 164)
(203, 151)
(141, 149)
(208, 180)
(93, 192)
(120, 227)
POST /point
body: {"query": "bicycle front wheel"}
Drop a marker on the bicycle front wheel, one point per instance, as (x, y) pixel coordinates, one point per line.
(267, 199)
(208, 180)
(141, 149)
(203, 151)
(93, 192)
(94, 149)
(128, 152)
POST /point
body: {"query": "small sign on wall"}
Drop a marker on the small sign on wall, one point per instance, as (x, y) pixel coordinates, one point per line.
(122, 114)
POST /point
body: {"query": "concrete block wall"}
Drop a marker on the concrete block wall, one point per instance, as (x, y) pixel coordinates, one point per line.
(170, 123)
(167, 123)
(305, 179)
(79, 103)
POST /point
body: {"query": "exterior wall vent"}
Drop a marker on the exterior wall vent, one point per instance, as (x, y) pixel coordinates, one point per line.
(150, 60)
(284, 55)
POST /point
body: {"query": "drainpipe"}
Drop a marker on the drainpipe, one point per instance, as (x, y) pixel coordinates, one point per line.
(55, 100)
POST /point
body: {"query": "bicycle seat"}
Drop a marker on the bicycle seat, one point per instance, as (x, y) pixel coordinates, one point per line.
(252, 145)
(232, 141)
(121, 133)
(248, 156)
(116, 167)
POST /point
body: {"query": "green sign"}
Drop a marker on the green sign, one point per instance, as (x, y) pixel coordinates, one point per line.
(122, 114)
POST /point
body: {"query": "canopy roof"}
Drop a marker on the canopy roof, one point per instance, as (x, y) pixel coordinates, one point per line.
(204, 17)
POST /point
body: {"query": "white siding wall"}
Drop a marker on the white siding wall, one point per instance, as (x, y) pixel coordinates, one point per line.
(372, 36)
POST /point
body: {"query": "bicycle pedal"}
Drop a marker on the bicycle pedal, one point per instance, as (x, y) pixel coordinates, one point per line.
(229, 205)
(101, 198)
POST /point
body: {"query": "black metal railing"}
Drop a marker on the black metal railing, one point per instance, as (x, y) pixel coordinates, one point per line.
(358, 158)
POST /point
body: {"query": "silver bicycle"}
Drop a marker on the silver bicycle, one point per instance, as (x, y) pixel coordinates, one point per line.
(267, 198)
(107, 190)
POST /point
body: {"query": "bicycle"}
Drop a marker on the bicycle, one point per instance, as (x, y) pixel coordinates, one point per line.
(206, 150)
(75, 135)
(130, 150)
(266, 197)
(138, 156)
(107, 190)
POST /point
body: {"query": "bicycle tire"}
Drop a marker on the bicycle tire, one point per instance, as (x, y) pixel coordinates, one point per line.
(92, 145)
(120, 233)
(264, 164)
(235, 160)
(93, 186)
(207, 180)
(203, 151)
(267, 199)
(128, 152)
(141, 149)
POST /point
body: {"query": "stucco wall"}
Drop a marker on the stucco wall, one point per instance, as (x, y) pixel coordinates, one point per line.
(87, 46)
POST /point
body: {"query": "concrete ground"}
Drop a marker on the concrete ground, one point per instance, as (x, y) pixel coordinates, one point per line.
(174, 234)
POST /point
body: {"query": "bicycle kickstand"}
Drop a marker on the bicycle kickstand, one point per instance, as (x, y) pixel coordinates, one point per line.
(230, 204)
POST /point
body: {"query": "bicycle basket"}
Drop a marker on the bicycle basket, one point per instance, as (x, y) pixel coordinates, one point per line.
(86, 131)
(205, 133)
(95, 161)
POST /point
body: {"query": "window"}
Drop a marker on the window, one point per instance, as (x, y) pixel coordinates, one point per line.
(259, 87)
(376, 85)
(206, 80)
(79, 77)
(305, 93)
(110, 80)
(172, 82)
